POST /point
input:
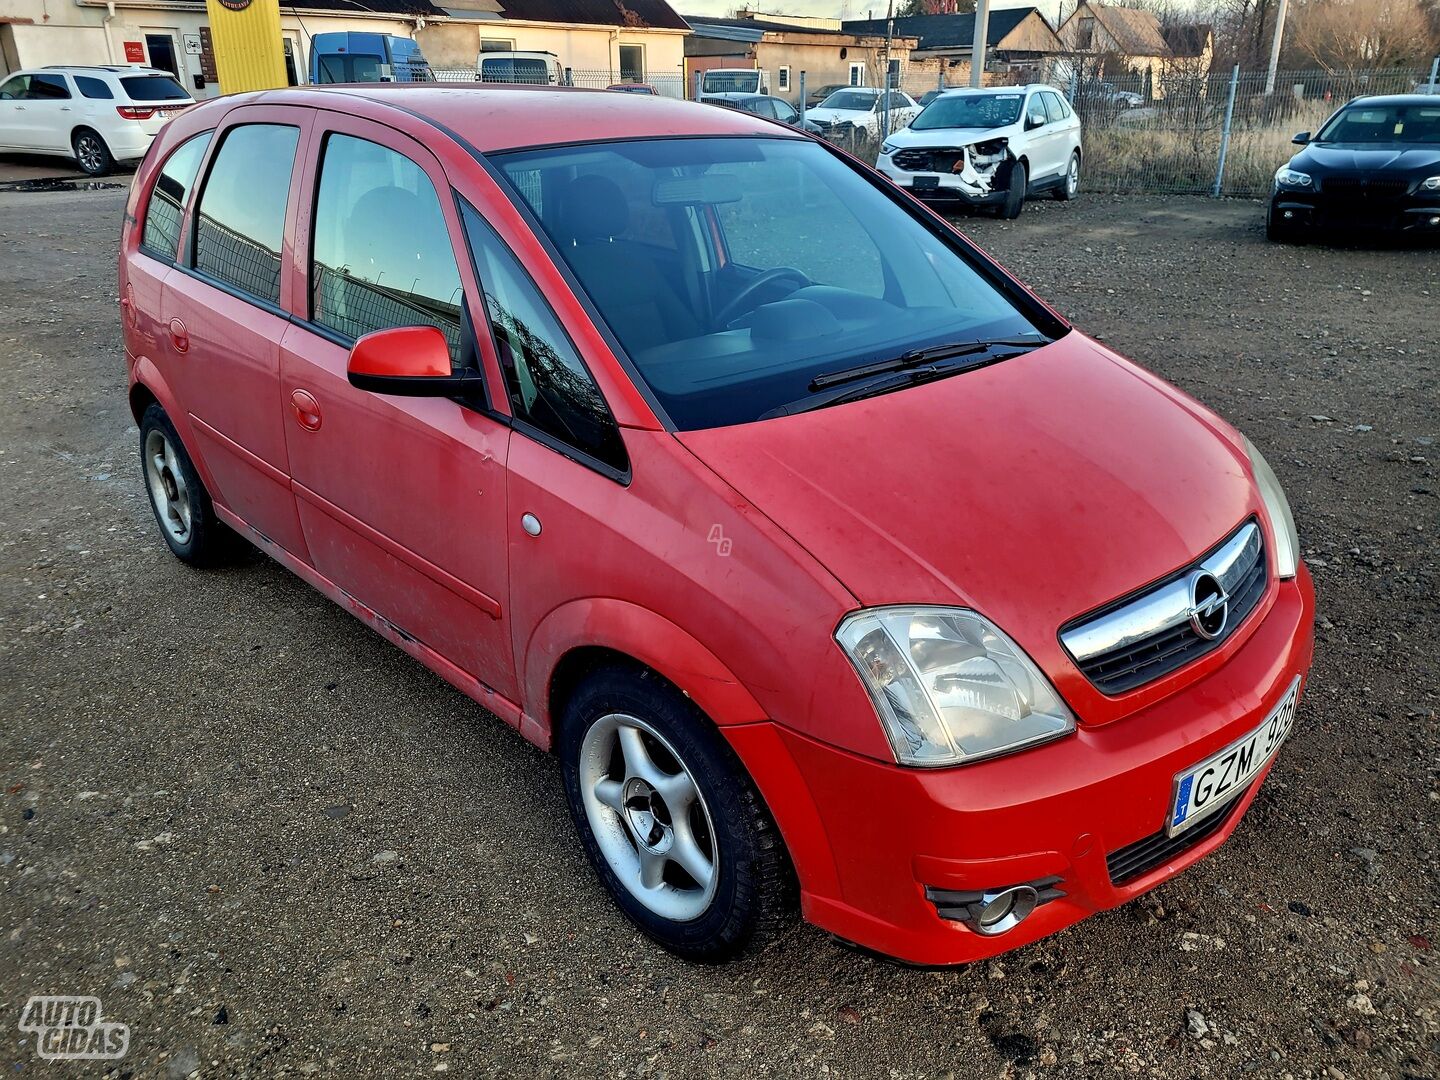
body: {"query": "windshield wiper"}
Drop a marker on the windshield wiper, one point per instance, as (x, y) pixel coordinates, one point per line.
(916, 357)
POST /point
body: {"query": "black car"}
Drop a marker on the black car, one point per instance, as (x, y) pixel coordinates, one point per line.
(1374, 166)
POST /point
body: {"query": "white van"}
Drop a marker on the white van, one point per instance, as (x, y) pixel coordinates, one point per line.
(539, 68)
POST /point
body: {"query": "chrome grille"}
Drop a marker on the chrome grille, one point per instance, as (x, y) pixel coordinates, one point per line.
(1365, 186)
(1142, 637)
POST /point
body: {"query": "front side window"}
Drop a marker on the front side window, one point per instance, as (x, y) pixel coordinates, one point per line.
(1384, 124)
(240, 222)
(547, 382)
(167, 198)
(970, 111)
(789, 265)
(91, 87)
(14, 89)
(381, 255)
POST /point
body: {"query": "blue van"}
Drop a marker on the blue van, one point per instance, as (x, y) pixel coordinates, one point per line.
(351, 57)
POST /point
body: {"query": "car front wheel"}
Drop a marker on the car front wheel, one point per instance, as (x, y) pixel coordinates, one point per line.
(673, 826)
(1015, 195)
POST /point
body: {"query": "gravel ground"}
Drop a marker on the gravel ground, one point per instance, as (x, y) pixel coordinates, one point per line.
(271, 843)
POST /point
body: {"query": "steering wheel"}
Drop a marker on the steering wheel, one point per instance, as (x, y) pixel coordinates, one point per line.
(747, 292)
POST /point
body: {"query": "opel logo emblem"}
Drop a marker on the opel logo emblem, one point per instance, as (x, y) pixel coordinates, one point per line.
(1209, 605)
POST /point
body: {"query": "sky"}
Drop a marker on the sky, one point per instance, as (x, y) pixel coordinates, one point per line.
(830, 9)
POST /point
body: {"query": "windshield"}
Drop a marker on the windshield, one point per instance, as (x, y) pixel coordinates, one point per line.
(734, 271)
(153, 88)
(1387, 124)
(851, 101)
(731, 82)
(970, 111)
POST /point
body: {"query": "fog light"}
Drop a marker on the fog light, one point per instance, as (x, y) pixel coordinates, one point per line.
(1435, 220)
(1289, 214)
(1005, 910)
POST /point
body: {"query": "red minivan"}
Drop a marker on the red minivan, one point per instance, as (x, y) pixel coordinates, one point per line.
(836, 567)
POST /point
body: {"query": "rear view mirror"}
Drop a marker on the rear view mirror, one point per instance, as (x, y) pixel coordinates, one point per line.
(1034, 121)
(408, 361)
(707, 189)
(1301, 139)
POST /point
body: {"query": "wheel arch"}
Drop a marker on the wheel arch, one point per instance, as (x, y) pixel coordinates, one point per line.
(147, 387)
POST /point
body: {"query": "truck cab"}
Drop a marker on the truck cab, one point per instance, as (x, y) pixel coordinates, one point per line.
(353, 57)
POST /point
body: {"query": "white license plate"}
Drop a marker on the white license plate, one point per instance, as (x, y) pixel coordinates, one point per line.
(1206, 788)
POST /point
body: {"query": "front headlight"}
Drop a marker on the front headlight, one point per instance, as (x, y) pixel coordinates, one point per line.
(1288, 177)
(1277, 507)
(949, 686)
(1432, 184)
(887, 148)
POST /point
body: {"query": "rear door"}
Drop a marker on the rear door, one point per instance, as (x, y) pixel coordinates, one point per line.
(224, 314)
(402, 499)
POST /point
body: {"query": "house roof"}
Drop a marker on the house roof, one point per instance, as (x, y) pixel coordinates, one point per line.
(947, 31)
(1136, 32)
(754, 29)
(1188, 39)
(632, 13)
(405, 8)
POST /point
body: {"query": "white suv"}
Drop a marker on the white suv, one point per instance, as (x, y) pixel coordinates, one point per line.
(989, 147)
(97, 115)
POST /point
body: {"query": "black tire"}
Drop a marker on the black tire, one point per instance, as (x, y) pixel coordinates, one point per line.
(206, 541)
(1015, 194)
(91, 153)
(755, 893)
(1066, 191)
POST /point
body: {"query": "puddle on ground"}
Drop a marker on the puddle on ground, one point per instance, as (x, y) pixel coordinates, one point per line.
(59, 183)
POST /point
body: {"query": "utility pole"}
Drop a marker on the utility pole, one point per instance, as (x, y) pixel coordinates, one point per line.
(885, 82)
(1275, 47)
(977, 48)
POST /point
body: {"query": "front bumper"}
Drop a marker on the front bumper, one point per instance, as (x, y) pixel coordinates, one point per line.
(869, 839)
(939, 187)
(1414, 213)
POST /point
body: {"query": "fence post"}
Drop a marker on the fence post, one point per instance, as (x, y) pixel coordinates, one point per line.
(885, 114)
(803, 103)
(1225, 132)
(940, 82)
(1434, 74)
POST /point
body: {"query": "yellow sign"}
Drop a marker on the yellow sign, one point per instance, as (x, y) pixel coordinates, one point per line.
(249, 53)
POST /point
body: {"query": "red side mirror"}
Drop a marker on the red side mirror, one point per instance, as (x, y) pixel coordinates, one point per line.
(412, 361)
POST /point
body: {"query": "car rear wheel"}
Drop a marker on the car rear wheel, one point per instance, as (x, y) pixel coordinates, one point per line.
(91, 153)
(182, 505)
(1070, 187)
(674, 828)
(1015, 196)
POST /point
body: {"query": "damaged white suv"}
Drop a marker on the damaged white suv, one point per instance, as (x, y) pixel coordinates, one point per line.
(988, 147)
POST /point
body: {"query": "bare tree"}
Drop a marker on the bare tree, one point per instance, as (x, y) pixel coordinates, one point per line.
(1349, 36)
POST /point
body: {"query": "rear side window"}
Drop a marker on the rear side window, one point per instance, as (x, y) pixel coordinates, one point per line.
(548, 384)
(382, 255)
(92, 87)
(1053, 106)
(153, 88)
(240, 223)
(167, 199)
(48, 88)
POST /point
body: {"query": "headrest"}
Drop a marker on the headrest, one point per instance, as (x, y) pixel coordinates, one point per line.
(594, 208)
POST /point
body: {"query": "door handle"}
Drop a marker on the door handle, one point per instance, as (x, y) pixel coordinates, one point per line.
(306, 409)
(179, 336)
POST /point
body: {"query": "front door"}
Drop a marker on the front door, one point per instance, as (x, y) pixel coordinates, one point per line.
(224, 313)
(402, 499)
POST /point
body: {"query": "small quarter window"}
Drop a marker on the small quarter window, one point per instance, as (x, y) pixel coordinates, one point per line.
(167, 198)
(547, 382)
(382, 255)
(240, 223)
(91, 87)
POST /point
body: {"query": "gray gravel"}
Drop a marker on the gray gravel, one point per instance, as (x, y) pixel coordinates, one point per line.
(273, 844)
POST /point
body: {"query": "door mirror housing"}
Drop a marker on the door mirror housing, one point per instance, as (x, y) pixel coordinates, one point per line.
(1033, 121)
(1302, 139)
(408, 361)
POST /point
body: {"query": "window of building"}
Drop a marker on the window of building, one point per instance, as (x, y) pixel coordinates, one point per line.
(784, 79)
(381, 253)
(490, 44)
(857, 74)
(548, 384)
(632, 63)
(167, 198)
(240, 221)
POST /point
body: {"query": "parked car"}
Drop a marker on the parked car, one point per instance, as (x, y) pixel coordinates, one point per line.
(859, 108)
(772, 108)
(992, 147)
(633, 88)
(97, 115)
(549, 394)
(814, 97)
(350, 56)
(533, 68)
(1374, 166)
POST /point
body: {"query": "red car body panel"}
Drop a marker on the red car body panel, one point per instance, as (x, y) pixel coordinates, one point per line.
(1032, 490)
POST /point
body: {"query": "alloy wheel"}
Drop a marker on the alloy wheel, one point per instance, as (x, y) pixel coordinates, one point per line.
(89, 152)
(168, 490)
(1072, 179)
(648, 817)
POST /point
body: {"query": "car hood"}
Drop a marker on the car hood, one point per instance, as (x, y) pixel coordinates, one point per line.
(1356, 157)
(935, 137)
(1032, 490)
